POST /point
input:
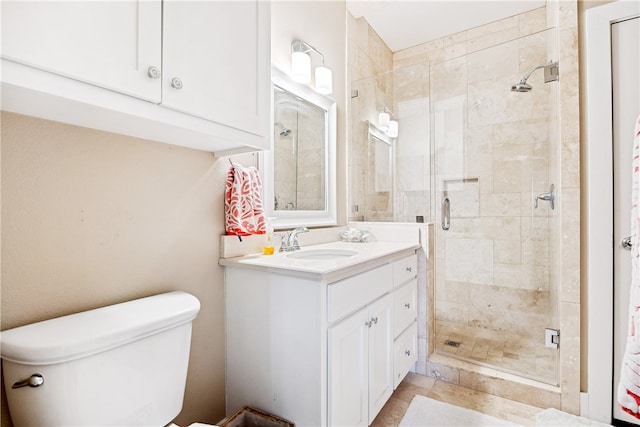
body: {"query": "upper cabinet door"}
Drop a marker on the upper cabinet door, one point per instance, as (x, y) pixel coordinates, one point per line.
(216, 61)
(111, 44)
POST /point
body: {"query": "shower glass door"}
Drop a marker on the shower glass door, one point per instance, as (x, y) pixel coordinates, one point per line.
(494, 151)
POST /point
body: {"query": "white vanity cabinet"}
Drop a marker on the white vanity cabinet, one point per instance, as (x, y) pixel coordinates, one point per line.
(319, 349)
(191, 73)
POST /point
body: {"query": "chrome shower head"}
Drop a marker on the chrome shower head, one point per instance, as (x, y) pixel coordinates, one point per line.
(284, 131)
(550, 75)
(523, 86)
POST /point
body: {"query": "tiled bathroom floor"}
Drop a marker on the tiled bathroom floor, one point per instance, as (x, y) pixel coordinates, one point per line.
(415, 384)
(507, 351)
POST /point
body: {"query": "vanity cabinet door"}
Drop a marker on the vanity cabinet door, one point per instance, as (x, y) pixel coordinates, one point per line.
(380, 354)
(361, 364)
(349, 371)
(111, 44)
(216, 61)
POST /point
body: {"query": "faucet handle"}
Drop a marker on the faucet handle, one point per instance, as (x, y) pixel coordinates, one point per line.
(284, 241)
(293, 237)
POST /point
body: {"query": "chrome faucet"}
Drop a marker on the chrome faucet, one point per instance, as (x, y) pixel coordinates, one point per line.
(290, 239)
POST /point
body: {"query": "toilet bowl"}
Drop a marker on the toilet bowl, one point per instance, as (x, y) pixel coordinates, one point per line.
(124, 364)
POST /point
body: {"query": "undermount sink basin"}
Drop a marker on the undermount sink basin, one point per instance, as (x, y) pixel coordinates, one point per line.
(322, 254)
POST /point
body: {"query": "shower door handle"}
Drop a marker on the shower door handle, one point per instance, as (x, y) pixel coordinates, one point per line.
(446, 213)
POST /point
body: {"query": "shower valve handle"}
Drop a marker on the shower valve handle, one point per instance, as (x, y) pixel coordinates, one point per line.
(547, 197)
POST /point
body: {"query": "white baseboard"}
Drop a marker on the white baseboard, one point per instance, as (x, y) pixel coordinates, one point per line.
(584, 405)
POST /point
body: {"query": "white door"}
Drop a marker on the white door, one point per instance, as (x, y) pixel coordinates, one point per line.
(111, 44)
(625, 48)
(213, 65)
(380, 355)
(348, 371)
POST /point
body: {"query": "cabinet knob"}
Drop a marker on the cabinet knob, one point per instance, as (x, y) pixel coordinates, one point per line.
(408, 305)
(176, 83)
(407, 352)
(409, 269)
(153, 72)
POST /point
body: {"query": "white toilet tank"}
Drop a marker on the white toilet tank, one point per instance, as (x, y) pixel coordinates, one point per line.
(121, 365)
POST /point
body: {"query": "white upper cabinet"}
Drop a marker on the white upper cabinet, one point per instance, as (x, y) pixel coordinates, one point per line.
(106, 43)
(216, 77)
(191, 73)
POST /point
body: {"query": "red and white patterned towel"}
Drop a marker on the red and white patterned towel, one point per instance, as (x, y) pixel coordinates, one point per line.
(243, 211)
(629, 385)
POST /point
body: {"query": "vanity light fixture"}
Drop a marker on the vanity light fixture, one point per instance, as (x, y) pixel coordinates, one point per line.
(383, 121)
(385, 124)
(301, 67)
(393, 129)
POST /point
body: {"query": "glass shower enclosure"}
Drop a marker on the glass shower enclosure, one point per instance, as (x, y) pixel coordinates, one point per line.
(479, 161)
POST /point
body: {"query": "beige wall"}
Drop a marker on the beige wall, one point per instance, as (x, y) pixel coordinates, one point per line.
(91, 218)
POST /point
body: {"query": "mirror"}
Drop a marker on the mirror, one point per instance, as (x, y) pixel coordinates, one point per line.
(299, 170)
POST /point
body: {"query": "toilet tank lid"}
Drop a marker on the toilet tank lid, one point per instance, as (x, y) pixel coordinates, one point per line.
(89, 332)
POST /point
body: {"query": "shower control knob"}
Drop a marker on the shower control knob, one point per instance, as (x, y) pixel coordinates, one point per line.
(176, 83)
(35, 380)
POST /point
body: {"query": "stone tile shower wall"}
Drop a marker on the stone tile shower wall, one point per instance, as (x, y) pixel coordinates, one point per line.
(370, 61)
(375, 85)
(494, 169)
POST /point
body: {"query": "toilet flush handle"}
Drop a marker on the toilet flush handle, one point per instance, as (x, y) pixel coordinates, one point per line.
(35, 380)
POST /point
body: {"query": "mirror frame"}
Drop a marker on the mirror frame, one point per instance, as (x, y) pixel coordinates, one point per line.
(302, 218)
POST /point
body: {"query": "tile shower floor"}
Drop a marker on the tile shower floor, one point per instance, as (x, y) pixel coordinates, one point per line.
(510, 352)
(415, 384)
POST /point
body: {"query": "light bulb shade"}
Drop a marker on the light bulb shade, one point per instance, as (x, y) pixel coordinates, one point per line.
(324, 80)
(383, 121)
(393, 129)
(301, 67)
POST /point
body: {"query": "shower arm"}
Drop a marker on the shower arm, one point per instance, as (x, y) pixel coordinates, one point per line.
(525, 78)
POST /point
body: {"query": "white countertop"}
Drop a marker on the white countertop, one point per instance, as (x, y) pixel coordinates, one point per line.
(369, 255)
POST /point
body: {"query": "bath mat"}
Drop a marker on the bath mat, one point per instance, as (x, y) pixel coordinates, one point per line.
(554, 417)
(425, 412)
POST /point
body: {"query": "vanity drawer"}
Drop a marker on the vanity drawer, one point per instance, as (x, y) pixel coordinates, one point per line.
(404, 306)
(405, 353)
(405, 269)
(348, 295)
